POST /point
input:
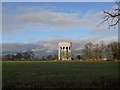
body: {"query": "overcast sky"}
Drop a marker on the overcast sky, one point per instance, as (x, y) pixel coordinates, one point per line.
(41, 26)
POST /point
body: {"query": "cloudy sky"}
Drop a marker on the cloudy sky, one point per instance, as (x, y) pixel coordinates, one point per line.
(41, 25)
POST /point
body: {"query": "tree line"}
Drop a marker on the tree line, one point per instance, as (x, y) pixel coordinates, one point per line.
(101, 51)
(90, 51)
(26, 55)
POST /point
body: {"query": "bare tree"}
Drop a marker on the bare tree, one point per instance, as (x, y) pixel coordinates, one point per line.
(96, 51)
(113, 17)
(115, 50)
(87, 50)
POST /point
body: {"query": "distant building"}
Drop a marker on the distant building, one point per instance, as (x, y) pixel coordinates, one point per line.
(64, 50)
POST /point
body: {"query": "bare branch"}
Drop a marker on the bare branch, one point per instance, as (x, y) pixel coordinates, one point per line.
(107, 18)
(117, 9)
(115, 23)
(112, 15)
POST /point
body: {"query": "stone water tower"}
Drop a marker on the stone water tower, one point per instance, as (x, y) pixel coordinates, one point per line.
(64, 50)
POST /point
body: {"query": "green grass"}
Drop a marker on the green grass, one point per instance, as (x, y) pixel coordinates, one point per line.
(48, 74)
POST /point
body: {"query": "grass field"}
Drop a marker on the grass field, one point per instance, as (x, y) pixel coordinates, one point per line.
(40, 74)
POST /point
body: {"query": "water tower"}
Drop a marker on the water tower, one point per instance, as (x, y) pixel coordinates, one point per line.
(64, 50)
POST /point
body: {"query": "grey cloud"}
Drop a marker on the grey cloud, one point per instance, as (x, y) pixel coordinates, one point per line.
(30, 18)
(102, 31)
(35, 8)
(45, 16)
(56, 19)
